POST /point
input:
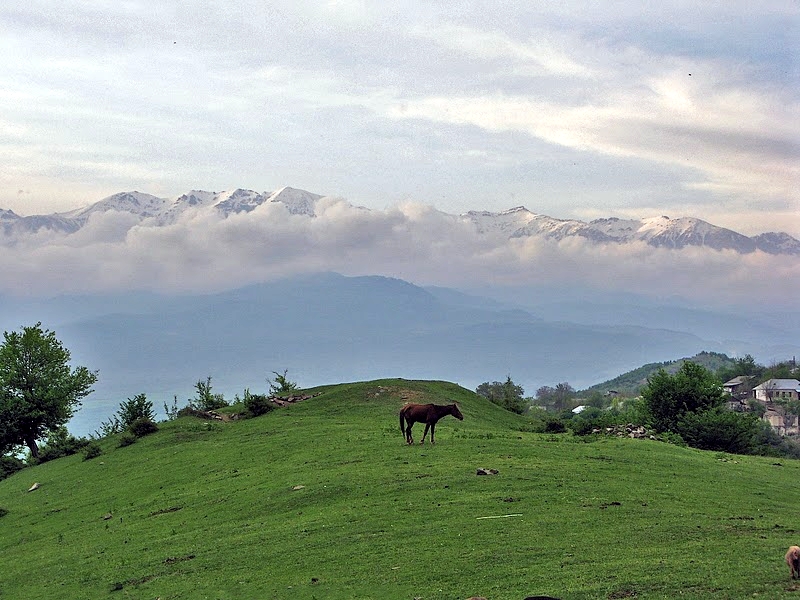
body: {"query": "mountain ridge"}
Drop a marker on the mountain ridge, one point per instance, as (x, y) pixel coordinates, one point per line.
(514, 223)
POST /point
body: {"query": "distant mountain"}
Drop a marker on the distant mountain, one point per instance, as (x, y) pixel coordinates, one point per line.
(328, 328)
(519, 222)
(660, 232)
(160, 211)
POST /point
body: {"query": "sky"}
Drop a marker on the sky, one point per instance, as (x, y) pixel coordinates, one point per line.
(572, 109)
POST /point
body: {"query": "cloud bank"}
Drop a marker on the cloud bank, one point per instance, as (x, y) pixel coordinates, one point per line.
(203, 252)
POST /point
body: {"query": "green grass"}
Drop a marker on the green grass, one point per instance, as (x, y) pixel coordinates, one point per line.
(213, 510)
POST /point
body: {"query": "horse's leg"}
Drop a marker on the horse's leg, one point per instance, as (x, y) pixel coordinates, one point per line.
(427, 426)
(409, 439)
(433, 428)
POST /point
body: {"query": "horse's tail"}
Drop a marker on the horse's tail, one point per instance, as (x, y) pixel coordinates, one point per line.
(402, 421)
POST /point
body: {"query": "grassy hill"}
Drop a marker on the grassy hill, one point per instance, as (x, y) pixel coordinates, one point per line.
(630, 383)
(323, 499)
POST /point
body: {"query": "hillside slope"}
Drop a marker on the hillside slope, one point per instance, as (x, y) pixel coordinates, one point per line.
(324, 500)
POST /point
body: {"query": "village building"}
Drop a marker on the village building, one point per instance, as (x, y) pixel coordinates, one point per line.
(775, 394)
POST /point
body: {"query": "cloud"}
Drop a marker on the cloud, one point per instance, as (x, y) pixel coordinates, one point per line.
(205, 252)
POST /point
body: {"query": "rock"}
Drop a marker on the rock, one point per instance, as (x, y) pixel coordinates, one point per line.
(483, 471)
(108, 516)
(35, 486)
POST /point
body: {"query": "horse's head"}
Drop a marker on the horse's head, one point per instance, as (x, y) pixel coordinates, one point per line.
(455, 412)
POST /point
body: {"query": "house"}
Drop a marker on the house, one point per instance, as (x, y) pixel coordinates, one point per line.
(773, 394)
(777, 389)
(739, 387)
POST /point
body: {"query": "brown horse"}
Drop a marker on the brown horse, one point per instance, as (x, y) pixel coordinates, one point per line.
(428, 414)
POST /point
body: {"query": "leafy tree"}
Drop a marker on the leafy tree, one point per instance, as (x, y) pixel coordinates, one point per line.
(745, 365)
(39, 392)
(132, 409)
(508, 395)
(281, 384)
(667, 398)
(558, 397)
(206, 400)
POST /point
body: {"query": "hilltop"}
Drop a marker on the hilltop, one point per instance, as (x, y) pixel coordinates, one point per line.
(322, 499)
(631, 382)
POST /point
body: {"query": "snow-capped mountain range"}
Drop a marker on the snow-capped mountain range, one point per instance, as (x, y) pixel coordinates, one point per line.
(516, 222)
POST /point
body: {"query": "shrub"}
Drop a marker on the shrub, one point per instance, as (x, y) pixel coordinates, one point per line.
(171, 411)
(581, 426)
(92, 450)
(126, 439)
(133, 409)
(719, 429)
(205, 399)
(555, 426)
(60, 443)
(110, 427)
(282, 384)
(142, 427)
(257, 404)
(10, 465)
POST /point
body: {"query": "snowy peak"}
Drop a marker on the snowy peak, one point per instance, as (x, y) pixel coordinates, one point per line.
(297, 202)
(137, 203)
(237, 201)
(506, 222)
(514, 223)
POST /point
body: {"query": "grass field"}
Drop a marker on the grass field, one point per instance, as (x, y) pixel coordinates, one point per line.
(324, 500)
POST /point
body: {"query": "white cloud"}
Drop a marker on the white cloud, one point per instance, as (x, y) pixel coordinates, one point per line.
(204, 252)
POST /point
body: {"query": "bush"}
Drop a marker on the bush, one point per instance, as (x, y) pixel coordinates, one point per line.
(60, 443)
(92, 450)
(126, 439)
(133, 409)
(555, 426)
(205, 399)
(581, 426)
(257, 404)
(719, 429)
(10, 465)
(142, 427)
(282, 384)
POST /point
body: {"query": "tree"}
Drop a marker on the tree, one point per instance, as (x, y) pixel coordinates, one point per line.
(133, 409)
(508, 394)
(558, 397)
(130, 411)
(39, 392)
(206, 400)
(281, 385)
(667, 398)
